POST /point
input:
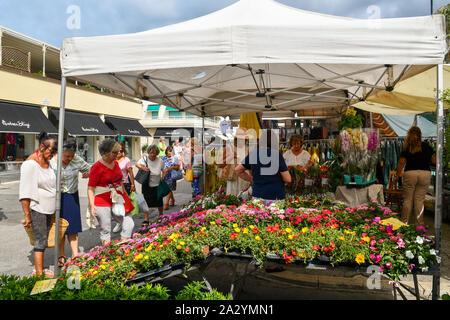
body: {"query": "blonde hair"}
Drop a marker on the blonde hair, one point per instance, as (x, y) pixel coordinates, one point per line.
(413, 142)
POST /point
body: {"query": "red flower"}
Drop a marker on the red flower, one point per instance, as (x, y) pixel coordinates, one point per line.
(187, 249)
(233, 236)
(316, 247)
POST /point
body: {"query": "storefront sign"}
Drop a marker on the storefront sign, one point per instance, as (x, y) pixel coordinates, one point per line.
(133, 131)
(89, 129)
(16, 124)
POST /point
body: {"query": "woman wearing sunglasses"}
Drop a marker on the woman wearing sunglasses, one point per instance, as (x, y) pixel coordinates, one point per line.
(104, 188)
(37, 193)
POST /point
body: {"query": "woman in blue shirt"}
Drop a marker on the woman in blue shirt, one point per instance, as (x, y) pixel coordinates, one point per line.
(269, 170)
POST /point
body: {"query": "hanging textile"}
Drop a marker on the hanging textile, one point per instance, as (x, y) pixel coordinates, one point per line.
(250, 121)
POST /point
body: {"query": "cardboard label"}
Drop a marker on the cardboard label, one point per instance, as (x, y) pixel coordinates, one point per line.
(43, 286)
(396, 224)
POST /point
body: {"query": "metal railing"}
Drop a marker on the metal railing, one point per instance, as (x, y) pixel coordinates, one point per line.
(15, 58)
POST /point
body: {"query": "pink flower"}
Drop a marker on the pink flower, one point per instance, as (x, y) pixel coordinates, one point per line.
(388, 265)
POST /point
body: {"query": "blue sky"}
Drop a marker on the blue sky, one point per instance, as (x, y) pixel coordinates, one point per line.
(47, 20)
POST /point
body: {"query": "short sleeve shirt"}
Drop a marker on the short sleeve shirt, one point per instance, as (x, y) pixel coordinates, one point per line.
(266, 164)
(124, 165)
(301, 159)
(156, 168)
(103, 176)
(39, 185)
(69, 174)
(419, 160)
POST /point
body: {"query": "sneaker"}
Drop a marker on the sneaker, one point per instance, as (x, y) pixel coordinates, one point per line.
(117, 228)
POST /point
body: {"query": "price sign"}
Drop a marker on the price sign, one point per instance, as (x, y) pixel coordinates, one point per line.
(43, 286)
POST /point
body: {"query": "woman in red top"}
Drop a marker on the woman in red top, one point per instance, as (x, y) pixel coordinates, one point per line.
(106, 174)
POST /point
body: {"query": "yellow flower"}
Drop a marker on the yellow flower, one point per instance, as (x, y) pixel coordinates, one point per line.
(291, 237)
(301, 255)
(323, 231)
(366, 239)
(251, 226)
(360, 258)
(103, 267)
(237, 229)
(245, 230)
(226, 249)
(212, 223)
(235, 225)
(204, 228)
(178, 247)
(148, 249)
(257, 238)
(182, 243)
(288, 230)
(146, 258)
(342, 238)
(305, 230)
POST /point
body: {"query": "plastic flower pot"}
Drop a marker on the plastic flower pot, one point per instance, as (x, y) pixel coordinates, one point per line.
(347, 179)
(359, 179)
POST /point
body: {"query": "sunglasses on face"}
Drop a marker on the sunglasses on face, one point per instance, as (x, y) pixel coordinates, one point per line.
(53, 150)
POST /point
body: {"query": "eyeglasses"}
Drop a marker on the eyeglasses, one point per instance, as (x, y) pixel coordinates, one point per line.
(115, 153)
(121, 151)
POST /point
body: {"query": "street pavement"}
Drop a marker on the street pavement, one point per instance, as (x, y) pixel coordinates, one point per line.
(16, 257)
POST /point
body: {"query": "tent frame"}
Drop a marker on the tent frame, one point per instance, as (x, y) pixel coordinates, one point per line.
(267, 92)
(439, 167)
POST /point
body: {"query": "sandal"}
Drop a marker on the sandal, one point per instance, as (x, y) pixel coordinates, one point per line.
(48, 273)
(172, 203)
(62, 261)
(166, 207)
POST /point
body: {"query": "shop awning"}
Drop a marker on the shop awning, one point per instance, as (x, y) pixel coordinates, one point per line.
(127, 127)
(20, 118)
(83, 124)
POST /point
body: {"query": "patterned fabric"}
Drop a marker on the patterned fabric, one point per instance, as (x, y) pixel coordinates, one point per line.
(168, 162)
(196, 186)
(69, 174)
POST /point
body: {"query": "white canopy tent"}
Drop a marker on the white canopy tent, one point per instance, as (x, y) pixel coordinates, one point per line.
(257, 55)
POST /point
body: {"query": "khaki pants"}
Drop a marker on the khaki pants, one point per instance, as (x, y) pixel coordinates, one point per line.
(415, 186)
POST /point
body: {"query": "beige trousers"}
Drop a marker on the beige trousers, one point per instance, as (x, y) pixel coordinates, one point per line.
(415, 186)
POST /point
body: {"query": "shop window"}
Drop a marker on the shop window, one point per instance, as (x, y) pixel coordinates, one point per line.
(155, 114)
(175, 115)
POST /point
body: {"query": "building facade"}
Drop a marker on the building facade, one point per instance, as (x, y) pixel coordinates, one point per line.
(30, 89)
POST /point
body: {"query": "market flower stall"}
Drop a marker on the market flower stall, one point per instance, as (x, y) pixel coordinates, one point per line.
(295, 231)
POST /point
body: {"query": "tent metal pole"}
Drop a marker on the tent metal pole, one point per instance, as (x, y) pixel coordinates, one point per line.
(203, 149)
(439, 176)
(58, 170)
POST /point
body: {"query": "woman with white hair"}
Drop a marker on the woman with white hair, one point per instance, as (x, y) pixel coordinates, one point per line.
(153, 164)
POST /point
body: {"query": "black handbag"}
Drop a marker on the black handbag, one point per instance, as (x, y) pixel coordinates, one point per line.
(142, 176)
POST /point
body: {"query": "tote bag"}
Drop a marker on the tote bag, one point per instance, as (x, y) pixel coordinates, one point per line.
(142, 176)
(163, 189)
(189, 175)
